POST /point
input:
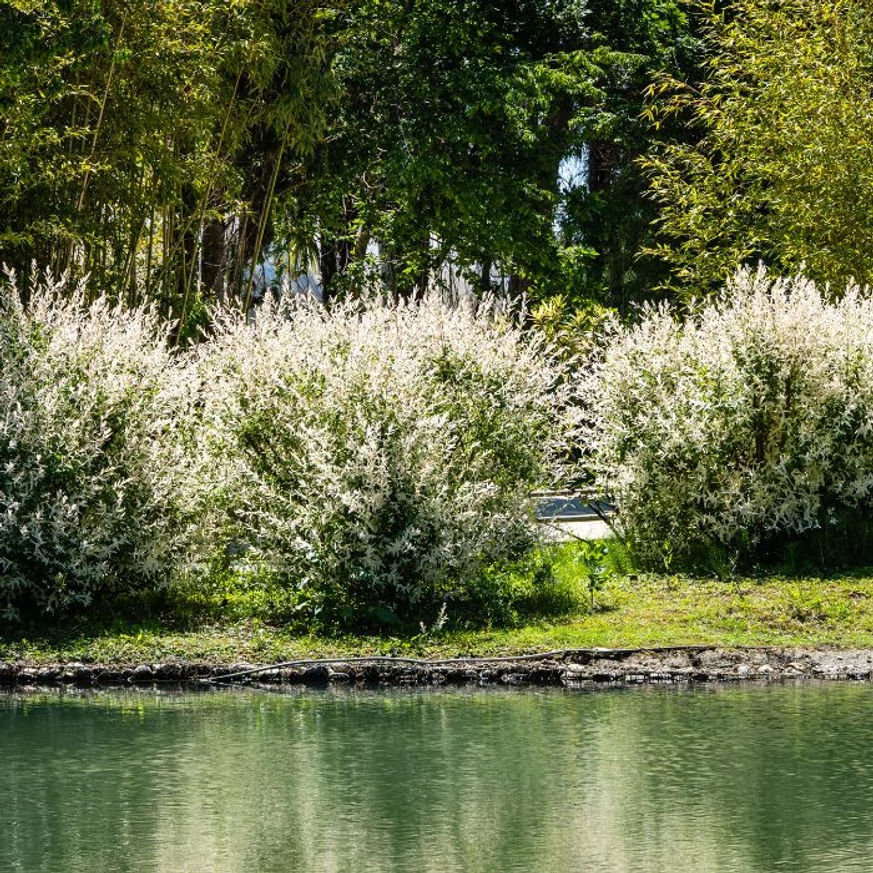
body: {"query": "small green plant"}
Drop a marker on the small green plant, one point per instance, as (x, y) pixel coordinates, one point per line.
(574, 330)
(430, 632)
(593, 556)
(667, 555)
(805, 604)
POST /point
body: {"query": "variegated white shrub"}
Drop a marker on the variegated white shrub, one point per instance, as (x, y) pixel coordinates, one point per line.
(374, 457)
(749, 421)
(85, 505)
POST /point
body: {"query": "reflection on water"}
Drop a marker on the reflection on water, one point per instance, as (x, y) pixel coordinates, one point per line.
(735, 779)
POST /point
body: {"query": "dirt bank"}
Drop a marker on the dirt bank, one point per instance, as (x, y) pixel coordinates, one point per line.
(570, 668)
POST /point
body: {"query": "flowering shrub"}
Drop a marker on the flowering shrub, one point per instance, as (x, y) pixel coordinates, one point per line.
(85, 508)
(749, 422)
(376, 458)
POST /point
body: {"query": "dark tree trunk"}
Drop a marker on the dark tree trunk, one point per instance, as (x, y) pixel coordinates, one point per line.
(603, 159)
(327, 267)
(485, 278)
(185, 244)
(518, 287)
(212, 259)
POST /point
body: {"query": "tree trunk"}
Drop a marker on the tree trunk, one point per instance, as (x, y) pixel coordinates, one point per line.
(602, 162)
(518, 287)
(485, 278)
(328, 268)
(212, 259)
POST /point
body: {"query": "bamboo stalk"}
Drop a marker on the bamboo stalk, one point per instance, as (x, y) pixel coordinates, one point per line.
(201, 209)
(85, 181)
(265, 212)
(150, 253)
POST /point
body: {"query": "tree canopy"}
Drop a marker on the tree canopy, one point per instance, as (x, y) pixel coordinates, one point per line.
(123, 125)
(781, 166)
(453, 124)
(167, 147)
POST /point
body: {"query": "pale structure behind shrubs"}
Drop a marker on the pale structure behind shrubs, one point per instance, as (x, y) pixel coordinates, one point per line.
(86, 495)
(750, 421)
(374, 458)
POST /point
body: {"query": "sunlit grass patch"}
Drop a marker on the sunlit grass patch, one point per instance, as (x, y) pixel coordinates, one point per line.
(549, 611)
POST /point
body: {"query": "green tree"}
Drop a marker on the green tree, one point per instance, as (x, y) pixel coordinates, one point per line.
(453, 124)
(163, 146)
(453, 120)
(781, 165)
(123, 131)
(606, 216)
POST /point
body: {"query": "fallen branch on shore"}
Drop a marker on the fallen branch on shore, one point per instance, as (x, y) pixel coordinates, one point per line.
(553, 655)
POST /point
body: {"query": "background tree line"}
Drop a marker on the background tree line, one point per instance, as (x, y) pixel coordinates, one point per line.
(138, 140)
(164, 146)
(605, 151)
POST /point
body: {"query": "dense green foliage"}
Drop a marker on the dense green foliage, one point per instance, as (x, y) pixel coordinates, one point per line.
(452, 122)
(455, 121)
(779, 168)
(606, 214)
(167, 149)
(128, 132)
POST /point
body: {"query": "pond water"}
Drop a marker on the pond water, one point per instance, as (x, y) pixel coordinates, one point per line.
(725, 779)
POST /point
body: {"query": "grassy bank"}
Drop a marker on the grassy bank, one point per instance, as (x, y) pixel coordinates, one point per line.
(637, 611)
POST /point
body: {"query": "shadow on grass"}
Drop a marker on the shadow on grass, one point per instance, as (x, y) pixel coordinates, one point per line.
(543, 588)
(152, 613)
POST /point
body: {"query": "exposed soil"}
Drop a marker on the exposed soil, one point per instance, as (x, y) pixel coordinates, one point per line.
(570, 668)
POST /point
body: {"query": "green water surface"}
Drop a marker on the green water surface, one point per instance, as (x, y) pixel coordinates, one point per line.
(727, 779)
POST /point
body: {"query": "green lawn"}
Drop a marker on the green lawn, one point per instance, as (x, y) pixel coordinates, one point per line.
(639, 611)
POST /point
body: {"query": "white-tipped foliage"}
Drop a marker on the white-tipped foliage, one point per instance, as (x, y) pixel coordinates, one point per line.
(84, 505)
(373, 456)
(749, 421)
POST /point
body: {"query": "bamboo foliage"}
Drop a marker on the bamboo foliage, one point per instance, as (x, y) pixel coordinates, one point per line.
(779, 167)
(125, 131)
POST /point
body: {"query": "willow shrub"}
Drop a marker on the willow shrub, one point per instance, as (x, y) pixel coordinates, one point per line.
(743, 426)
(86, 505)
(374, 460)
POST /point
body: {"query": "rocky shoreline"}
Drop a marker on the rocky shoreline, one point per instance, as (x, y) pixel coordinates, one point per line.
(568, 668)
